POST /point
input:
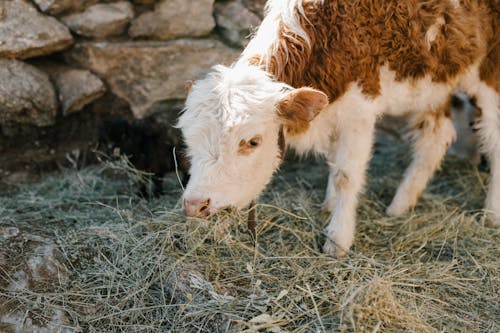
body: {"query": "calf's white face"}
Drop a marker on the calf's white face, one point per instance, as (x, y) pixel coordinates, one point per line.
(231, 126)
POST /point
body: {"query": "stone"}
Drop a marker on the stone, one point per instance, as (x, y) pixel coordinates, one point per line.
(34, 265)
(25, 33)
(76, 88)
(55, 7)
(17, 321)
(256, 6)
(235, 22)
(175, 18)
(148, 73)
(101, 20)
(26, 94)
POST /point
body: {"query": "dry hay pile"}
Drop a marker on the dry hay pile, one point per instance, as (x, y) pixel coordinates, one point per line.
(136, 265)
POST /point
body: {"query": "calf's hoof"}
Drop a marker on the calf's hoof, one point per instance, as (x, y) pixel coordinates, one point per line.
(493, 219)
(327, 207)
(396, 210)
(333, 250)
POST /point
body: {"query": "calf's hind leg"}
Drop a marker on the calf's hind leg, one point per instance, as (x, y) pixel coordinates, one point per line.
(331, 195)
(488, 101)
(434, 133)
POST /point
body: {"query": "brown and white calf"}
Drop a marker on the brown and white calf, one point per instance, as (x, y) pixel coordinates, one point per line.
(322, 72)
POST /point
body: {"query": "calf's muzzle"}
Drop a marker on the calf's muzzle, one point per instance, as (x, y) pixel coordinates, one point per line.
(197, 207)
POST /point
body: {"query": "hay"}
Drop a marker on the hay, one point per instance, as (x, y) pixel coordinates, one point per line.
(141, 266)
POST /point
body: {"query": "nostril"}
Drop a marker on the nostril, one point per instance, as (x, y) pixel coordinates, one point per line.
(196, 207)
(204, 208)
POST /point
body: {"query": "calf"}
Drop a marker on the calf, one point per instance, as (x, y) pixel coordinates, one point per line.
(147, 147)
(321, 72)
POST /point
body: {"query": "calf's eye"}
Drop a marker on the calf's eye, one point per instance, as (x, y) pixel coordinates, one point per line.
(255, 141)
(247, 146)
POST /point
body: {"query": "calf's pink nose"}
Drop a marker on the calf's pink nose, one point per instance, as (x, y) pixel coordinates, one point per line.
(197, 207)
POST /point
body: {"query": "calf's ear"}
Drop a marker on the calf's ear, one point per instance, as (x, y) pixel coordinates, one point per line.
(302, 105)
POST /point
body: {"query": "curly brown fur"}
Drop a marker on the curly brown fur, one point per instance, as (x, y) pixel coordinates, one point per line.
(351, 40)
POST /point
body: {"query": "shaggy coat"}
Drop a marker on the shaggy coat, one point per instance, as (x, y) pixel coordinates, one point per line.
(349, 41)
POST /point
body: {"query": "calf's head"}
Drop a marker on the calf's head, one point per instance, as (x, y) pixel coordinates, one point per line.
(231, 125)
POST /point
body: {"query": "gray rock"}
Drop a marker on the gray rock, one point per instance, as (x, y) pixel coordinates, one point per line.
(25, 33)
(77, 88)
(175, 18)
(101, 20)
(235, 21)
(146, 74)
(34, 265)
(256, 6)
(55, 7)
(26, 94)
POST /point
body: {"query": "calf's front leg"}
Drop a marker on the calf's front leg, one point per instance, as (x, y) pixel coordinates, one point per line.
(355, 129)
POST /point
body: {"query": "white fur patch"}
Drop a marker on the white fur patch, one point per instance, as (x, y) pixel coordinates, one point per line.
(399, 98)
(322, 132)
(266, 40)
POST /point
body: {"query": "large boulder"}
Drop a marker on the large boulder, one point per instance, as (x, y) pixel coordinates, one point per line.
(235, 21)
(26, 94)
(54, 7)
(25, 33)
(101, 20)
(145, 74)
(175, 18)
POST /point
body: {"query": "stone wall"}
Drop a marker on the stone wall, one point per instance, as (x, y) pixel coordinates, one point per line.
(67, 64)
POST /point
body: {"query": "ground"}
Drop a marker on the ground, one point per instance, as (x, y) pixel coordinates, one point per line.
(136, 265)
